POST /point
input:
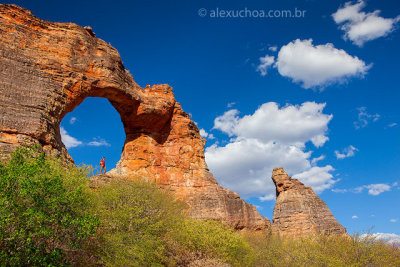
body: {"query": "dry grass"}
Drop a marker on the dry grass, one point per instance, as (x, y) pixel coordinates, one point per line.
(322, 251)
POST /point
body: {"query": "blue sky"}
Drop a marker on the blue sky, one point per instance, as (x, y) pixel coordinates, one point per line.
(317, 94)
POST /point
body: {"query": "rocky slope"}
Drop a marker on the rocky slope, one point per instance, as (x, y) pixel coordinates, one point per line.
(299, 211)
(47, 69)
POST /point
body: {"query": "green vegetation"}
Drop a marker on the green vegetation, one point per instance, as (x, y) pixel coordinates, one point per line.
(145, 226)
(43, 210)
(322, 251)
(49, 216)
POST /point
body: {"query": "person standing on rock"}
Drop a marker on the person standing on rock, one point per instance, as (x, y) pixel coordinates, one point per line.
(103, 165)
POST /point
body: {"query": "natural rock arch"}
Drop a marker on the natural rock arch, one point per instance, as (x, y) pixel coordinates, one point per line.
(93, 129)
(47, 69)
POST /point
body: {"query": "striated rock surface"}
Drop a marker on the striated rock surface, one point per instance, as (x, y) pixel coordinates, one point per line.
(47, 69)
(299, 211)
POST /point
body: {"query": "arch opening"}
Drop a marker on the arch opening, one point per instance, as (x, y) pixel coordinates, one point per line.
(91, 130)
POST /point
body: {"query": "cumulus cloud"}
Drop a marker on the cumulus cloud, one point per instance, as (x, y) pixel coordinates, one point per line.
(360, 27)
(271, 136)
(319, 178)
(347, 152)
(354, 217)
(265, 63)
(245, 165)
(364, 118)
(317, 66)
(392, 124)
(388, 237)
(291, 124)
(68, 140)
(204, 134)
(98, 142)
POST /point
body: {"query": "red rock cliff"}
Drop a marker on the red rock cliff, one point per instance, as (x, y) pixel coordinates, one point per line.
(299, 211)
(47, 69)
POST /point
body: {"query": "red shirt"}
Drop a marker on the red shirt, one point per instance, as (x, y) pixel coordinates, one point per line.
(102, 162)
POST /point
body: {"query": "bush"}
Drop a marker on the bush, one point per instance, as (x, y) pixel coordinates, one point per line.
(322, 251)
(135, 219)
(44, 213)
(143, 225)
(47, 217)
(212, 239)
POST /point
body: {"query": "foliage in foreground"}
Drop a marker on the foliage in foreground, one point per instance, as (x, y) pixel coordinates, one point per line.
(48, 216)
(145, 226)
(323, 251)
(43, 210)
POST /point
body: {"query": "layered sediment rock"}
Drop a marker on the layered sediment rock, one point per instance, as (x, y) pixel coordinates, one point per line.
(299, 211)
(47, 69)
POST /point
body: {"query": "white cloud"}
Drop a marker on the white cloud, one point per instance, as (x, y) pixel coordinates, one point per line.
(71, 142)
(267, 197)
(347, 152)
(68, 140)
(227, 122)
(98, 142)
(361, 27)
(336, 190)
(245, 164)
(354, 217)
(270, 137)
(319, 178)
(376, 189)
(317, 66)
(364, 118)
(204, 134)
(265, 63)
(291, 124)
(390, 238)
(373, 189)
(315, 160)
(393, 220)
(72, 120)
(393, 124)
(273, 48)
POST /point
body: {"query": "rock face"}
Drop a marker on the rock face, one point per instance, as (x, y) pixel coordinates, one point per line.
(47, 69)
(299, 211)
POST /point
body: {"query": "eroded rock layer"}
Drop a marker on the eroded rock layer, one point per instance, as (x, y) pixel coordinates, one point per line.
(47, 69)
(299, 211)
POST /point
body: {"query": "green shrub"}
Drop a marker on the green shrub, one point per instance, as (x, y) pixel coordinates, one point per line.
(212, 239)
(44, 211)
(48, 216)
(143, 225)
(322, 251)
(135, 219)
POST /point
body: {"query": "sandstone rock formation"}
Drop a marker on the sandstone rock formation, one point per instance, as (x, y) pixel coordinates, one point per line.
(299, 211)
(47, 69)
